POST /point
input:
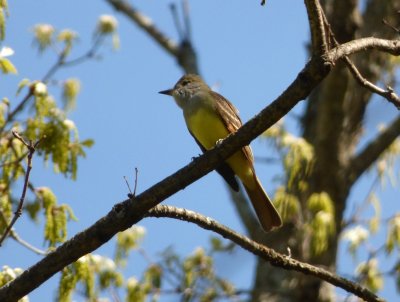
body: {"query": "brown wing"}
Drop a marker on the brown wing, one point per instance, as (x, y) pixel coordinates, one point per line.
(230, 116)
(224, 170)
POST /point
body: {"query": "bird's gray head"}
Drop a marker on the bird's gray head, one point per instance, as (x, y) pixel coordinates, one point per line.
(185, 88)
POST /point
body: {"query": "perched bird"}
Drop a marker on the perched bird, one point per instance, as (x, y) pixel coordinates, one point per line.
(209, 118)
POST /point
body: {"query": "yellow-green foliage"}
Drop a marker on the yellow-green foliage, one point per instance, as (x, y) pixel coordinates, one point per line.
(8, 274)
(393, 236)
(322, 223)
(128, 241)
(59, 139)
(287, 204)
(355, 236)
(68, 37)
(370, 275)
(57, 217)
(107, 25)
(43, 36)
(84, 273)
(297, 155)
(387, 162)
(6, 66)
(71, 88)
(2, 22)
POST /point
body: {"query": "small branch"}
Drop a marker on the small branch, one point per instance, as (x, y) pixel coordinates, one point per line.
(14, 162)
(31, 148)
(182, 52)
(15, 236)
(177, 23)
(371, 152)
(391, 26)
(319, 45)
(136, 180)
(62, 63)
(146, 24)
(262, 251)
(387, 94)
(132, 195)
(26, 244)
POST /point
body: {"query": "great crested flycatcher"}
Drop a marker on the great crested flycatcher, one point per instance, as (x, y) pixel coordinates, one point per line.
(210, 117)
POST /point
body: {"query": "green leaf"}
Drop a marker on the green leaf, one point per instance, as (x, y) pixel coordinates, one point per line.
(71, 88)
(2, 24)
(25, 82)
(7, 67)
(87, 143)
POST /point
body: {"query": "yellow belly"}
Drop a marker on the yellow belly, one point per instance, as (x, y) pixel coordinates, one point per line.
(208, 128)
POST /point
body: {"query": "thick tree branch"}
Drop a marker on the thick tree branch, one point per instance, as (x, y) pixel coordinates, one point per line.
(315, 14)
(129, 212)
(262, 251)
(371, 152)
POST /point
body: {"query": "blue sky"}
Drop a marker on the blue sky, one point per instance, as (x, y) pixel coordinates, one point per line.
(251, 53)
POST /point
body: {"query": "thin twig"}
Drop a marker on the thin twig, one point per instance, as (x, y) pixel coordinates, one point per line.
(391, 26)
(15, 236)
(136, 180)
(129, 187)
(132, 195)
(262, 251)
(16, 161)
(388, 94)
(31, 148)
(177, 23)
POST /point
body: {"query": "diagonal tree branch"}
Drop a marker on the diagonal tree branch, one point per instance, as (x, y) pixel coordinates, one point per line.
(129, 212)
(146, 24)
(371, 152)
(262, 251)
(184, 53)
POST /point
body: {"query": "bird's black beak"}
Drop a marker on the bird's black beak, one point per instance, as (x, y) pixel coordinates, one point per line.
(167, 92)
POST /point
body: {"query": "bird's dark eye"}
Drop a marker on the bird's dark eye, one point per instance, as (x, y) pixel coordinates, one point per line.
(185, 82)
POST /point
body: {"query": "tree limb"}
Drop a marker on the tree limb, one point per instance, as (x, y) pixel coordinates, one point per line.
(388, 46)
(315, 14)
(146, 24)
(371, 152)
(184, 53)
(263, 251)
